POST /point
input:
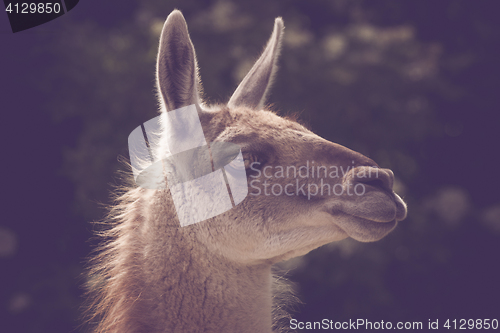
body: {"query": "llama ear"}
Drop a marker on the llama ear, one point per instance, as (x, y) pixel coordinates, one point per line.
(252, 91)
(177, 69)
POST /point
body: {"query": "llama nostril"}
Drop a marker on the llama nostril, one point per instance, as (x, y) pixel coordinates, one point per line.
(380, 178)
(375, 183)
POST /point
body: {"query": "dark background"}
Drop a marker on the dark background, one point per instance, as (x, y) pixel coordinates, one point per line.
(412, 84)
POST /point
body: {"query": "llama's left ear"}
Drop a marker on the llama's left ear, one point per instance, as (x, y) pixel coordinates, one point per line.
(253, 90)
(177, 69)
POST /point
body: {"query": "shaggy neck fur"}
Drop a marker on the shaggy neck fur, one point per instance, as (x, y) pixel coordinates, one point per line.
(159, 277)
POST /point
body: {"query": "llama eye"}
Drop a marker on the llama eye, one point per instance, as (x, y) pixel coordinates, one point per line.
(253, 161)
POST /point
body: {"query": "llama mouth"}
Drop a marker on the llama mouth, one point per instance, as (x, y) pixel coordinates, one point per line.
(375, 206)
(365, 230)
(371, 218)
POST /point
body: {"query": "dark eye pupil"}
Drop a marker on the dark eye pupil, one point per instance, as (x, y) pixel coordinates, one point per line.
(252, 161)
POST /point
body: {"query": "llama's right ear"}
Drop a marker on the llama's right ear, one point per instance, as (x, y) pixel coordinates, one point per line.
(253, 90)
(177, 70)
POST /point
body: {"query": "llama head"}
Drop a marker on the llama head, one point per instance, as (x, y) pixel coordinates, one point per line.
(303, 191)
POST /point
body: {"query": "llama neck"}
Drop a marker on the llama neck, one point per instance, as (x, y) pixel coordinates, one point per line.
(178, 285)
(195, 290)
